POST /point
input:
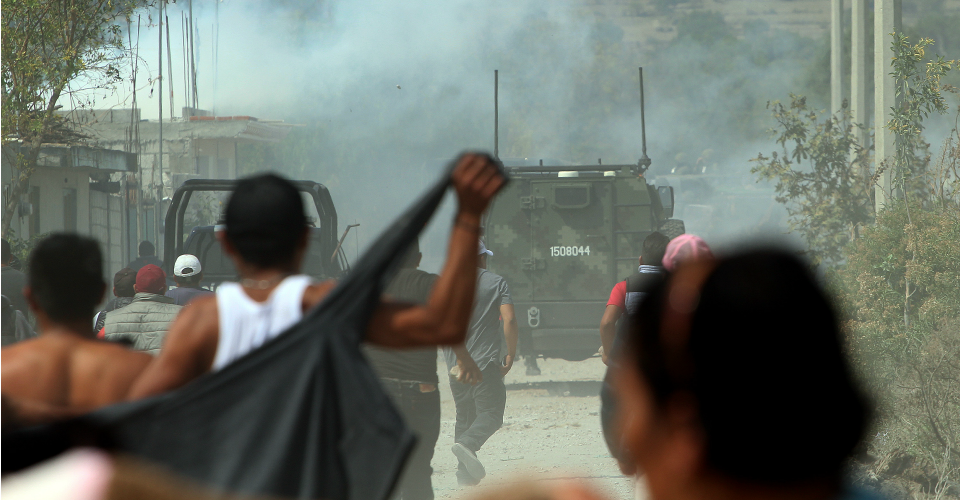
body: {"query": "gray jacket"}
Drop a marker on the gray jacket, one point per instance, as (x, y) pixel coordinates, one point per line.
(143, 323)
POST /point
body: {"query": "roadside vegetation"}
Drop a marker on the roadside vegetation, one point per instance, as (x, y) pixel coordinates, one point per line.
(896, 271)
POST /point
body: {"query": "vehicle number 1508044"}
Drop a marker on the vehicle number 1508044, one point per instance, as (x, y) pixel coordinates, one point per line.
(573, 251)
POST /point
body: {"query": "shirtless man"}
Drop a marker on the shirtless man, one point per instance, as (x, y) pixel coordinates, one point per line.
(65, 370)
(266, 237)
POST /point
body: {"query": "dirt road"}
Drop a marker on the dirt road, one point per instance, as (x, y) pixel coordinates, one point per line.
(551, 430)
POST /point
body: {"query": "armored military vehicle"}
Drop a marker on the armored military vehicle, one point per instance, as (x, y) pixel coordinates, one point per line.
(195, 212)
(562, 236)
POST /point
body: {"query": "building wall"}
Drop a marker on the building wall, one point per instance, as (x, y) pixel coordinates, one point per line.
(97, 214)
(215, 158)
(52, 183)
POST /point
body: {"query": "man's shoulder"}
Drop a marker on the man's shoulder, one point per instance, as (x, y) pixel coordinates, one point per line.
(418, 275)
(161, 303)
(44, 345)
(490, 276)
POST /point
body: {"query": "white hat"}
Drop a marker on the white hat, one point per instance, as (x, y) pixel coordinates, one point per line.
(187, 265)
(483, 250)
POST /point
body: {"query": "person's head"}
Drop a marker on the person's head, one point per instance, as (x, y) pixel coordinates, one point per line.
(413, 257)
(482, 253)
(685, 248)
(654, 246)
(6, 254)
(734, 374)
(187, 270)
(265, 224)
(123, 282)
(151, 279)
(65, 279)
(146, 249)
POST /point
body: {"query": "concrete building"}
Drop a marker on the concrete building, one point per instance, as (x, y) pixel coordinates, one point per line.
(113, 188)
(196, 145)
(76, 188)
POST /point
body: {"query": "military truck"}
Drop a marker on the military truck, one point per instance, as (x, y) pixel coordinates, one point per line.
(195, 214)
(563, 235)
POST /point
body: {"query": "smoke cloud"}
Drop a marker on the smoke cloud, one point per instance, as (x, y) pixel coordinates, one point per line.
(388, 91)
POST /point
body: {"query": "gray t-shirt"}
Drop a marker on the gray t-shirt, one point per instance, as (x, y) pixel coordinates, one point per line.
(484, 336)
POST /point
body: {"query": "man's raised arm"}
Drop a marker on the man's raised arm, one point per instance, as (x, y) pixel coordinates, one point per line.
(443, 319)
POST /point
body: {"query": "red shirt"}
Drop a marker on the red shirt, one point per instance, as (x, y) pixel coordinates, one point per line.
(618, 296)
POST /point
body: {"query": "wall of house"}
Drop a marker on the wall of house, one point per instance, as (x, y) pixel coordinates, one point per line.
(215, 158)
(56, 209)
(62, 200)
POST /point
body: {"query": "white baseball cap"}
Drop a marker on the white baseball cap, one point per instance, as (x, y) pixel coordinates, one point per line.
(483, 250)
(187, 265)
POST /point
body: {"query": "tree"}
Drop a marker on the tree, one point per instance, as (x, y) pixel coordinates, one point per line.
(899, 277)
(920, 92)
(909, 353)
(826, 188)
(48, 46)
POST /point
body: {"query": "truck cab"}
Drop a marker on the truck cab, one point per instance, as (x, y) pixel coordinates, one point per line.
(195, 214)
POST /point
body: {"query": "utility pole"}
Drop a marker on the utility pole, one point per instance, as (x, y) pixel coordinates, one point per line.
(858, 70)
(158, 204)
(496, 114)
(836, 55)
(886, 21)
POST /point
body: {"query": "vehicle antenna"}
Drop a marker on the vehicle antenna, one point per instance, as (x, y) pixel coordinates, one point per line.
(496, 114)
(645, 161)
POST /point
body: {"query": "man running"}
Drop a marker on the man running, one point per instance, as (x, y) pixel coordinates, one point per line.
(266, 238)
(65, 368)
(480, 402)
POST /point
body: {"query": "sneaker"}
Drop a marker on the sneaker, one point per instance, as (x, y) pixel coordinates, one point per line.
(465, 479)
(469, 459)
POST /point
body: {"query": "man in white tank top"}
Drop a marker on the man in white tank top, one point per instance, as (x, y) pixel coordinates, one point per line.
(266, 237)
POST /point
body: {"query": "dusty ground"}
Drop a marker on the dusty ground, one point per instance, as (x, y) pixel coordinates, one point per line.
(551, 430)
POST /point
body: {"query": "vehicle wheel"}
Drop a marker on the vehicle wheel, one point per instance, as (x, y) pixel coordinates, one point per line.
(671, 228)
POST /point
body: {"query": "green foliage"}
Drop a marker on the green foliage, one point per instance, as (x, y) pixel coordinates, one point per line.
(21, 249)
(47, 46)
(919, 93)
(921, 251)
(901, 288)
(821, 175)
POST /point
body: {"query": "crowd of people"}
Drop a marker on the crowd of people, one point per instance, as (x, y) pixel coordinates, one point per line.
(709, 392)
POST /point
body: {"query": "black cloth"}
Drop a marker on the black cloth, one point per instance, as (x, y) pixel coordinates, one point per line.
(302, 416)
(114, 304)
(479, 408)
(420, 408)
(11, 286)
(639, 285)
(418, 365)
(144, 260)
